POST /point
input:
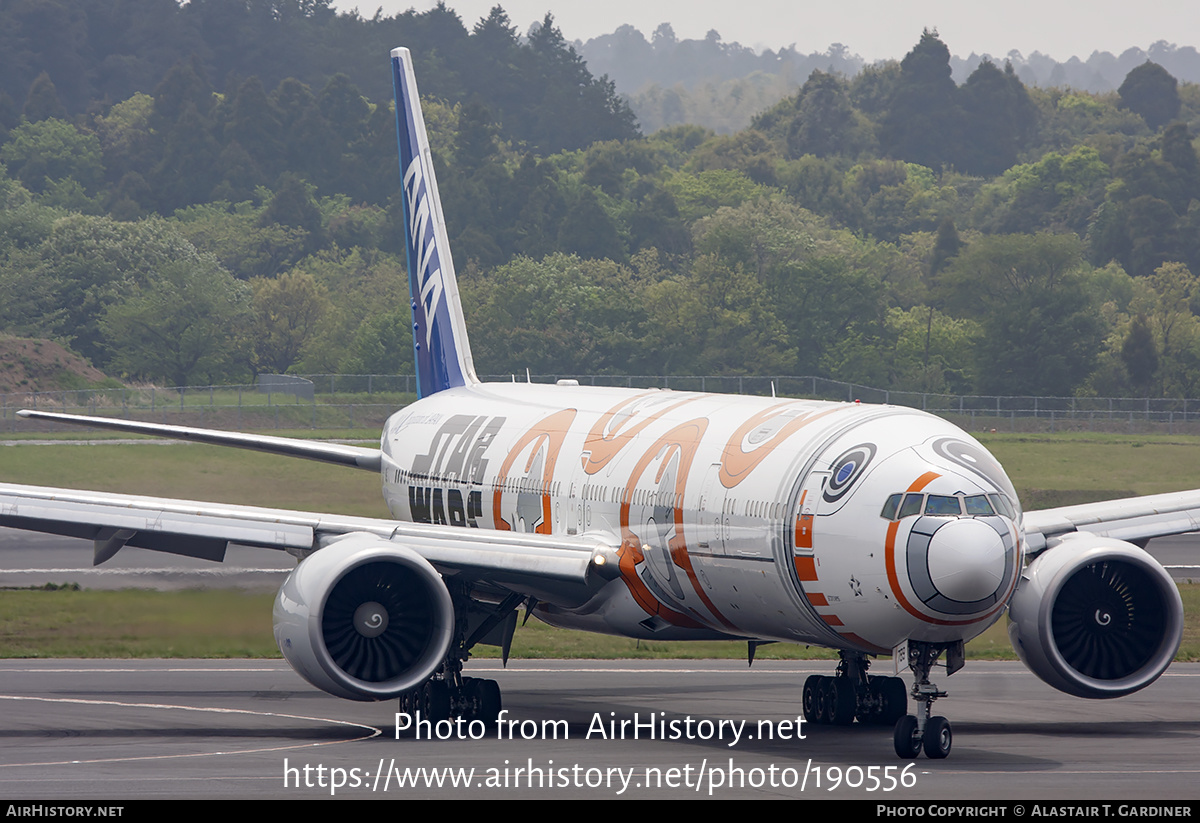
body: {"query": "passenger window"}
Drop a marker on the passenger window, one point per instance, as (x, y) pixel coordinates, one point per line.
(889, 508)
(978, 504)
(911, 505)
(941, 504)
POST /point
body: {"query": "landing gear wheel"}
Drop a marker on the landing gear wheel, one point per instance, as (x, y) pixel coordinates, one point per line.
(839, 701)
(908, 745)
(937, 738)
(895, 700)
(485, 695)
(811, 698)
(435, 701)
(410, 704)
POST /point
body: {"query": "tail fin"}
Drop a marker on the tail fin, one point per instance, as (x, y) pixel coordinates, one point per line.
(443, 355)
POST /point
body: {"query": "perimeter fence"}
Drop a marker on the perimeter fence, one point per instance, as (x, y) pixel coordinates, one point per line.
(364, 401)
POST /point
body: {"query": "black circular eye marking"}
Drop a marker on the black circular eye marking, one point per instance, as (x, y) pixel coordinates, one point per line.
(846, 471)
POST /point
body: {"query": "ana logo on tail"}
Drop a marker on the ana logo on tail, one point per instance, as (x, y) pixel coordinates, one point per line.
(440, 347)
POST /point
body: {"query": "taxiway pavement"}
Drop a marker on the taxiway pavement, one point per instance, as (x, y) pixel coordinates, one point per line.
(252, 729)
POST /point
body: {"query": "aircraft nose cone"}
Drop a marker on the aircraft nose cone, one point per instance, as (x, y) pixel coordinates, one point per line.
(966, 560)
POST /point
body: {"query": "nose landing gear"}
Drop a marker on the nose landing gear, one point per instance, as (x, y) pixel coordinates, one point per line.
(932, 734)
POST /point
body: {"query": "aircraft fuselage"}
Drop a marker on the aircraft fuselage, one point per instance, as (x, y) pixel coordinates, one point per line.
(735, 516)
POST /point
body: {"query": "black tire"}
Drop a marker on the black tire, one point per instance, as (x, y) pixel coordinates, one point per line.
(908, 745)
(811, 699)
(895, 699)
(435, 701)
(937, 738)
(410, 703)
(486, 694)
(825, 700)
(841, 701)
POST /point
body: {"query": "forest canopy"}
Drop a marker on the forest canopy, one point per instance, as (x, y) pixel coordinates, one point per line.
(895, 228)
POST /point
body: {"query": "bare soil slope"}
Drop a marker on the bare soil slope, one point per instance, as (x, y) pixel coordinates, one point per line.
(42, 365)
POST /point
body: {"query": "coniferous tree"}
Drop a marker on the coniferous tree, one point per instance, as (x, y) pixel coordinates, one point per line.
(998, 118)
(1149, 90)
(42, 103)
(922, 124)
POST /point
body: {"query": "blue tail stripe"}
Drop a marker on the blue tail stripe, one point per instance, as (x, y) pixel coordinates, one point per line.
(440, 347)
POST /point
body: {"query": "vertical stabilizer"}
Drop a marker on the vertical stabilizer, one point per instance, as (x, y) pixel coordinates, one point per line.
(440, 344)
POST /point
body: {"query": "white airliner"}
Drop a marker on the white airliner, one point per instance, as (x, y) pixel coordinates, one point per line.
(873, 530)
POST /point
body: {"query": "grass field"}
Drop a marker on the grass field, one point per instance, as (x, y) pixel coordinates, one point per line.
(1051, 469)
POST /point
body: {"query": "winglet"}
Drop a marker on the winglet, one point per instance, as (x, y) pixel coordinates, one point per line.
(443, 355)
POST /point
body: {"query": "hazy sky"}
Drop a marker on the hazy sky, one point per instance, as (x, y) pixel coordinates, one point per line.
(875, 29)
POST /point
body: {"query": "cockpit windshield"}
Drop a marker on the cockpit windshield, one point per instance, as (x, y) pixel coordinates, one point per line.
(900, 505)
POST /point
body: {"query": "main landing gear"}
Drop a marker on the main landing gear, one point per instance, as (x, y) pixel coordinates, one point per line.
(447, 694)
(933, 734)
(443, 697)
(853, 695)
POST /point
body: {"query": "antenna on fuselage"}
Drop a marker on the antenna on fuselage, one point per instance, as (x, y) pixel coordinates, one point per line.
(528, 379)
(772, 389)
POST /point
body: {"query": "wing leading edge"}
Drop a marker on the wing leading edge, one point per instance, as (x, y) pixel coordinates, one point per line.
(566, 570)
(1134, 520)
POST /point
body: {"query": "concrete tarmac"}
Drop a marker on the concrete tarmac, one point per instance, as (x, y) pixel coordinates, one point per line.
(125, 729)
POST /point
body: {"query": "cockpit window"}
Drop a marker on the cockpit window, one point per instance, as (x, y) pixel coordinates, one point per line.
(942, 504)
(911, 505)
(1002, 505)
(898, 506)
(889, 508)
(978, 504)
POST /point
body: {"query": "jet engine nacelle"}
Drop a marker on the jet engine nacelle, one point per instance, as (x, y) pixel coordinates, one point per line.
(364, 618)
(1096, 617)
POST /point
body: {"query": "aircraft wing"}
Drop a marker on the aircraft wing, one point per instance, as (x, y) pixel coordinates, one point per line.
(353, 456)
(1134, 519)
(560, 569)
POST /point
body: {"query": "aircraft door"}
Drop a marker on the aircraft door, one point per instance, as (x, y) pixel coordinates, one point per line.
(806, 512)
(712, 505)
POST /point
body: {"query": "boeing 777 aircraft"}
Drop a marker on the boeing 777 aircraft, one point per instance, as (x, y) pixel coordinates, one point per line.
(873, 530)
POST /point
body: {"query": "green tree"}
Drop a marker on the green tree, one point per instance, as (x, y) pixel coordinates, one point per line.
(562, 314)
(1173, 292)
(294, 206)
(1152, 92)
(923, 121)
(182, 326)
(40, 153)
(287, 313)
(588, 231)
(42, 102)
(825, 123)
(1139, 354)
(999, 119)
(1041, 332)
